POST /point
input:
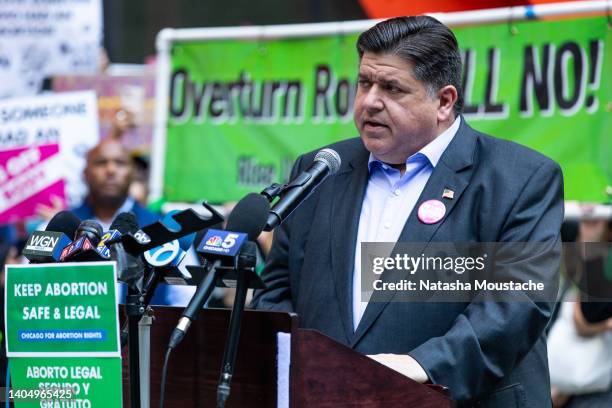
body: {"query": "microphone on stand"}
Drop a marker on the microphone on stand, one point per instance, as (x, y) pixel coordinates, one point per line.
(246, 221)
(130, 269)
(86, 240)
(46, 246)
(325, 163)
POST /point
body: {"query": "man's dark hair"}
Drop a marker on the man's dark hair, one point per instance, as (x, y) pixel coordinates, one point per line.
(425, 42)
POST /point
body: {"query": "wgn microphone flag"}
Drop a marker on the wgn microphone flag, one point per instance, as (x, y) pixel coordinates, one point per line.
(47, 246)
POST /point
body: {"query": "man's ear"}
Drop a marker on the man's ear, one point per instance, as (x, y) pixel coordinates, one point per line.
(447, 96)
(85, 175)
(132, 174)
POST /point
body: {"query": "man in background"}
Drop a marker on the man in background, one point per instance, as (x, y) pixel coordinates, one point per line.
(108, 174)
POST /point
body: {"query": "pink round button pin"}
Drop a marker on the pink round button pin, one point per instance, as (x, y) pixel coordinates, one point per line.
(431, 211)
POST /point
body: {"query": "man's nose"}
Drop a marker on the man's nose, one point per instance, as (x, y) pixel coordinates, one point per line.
(111, 168)
(372, 101)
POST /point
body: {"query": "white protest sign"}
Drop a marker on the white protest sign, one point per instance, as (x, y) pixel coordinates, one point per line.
(40, 38)
(43, 143)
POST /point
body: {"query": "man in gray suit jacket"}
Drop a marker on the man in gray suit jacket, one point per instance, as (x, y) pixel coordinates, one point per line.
(414, 150)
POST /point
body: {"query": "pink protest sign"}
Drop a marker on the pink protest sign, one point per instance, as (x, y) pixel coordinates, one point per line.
(29, 176)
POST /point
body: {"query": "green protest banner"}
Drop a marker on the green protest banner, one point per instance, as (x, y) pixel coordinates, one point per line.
(240, 111)
(543, 85)
(62, 310)
(59, 382)
(62, 335)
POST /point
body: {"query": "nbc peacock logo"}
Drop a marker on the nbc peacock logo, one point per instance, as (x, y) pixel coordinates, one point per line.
(215, 240)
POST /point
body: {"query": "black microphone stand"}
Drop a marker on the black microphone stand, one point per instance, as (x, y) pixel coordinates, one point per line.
(136, 300)
(211, 274)
(134, 308)
(136, 304)
(241, 275)
(151, 282)
(246, 278)
(229, 354)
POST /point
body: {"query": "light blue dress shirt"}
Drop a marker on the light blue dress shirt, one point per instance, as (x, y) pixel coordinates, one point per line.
(389, 199)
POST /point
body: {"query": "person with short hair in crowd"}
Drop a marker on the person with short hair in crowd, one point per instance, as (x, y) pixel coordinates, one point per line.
(108, 174)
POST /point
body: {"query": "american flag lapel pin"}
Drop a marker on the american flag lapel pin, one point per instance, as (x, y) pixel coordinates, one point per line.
(448, 193)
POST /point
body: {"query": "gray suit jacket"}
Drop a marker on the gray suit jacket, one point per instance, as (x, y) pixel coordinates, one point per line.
(488, 354)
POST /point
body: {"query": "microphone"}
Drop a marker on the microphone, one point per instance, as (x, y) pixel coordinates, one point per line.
(326, 162)
(65, 222)
(248, 219)
(160, 259)
(165, 258)
(46, 246)
(109, 235)
(124, 223)
(91, 230)
(83, 248)
(130, 268)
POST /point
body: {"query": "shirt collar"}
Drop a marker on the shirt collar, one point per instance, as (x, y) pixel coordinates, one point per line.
(126, 207)
(432, 151)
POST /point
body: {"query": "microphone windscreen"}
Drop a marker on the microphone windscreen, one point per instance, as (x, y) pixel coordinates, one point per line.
(125, 223)
(65, 222)
(249, 215)
(331, 158)
(92, 229)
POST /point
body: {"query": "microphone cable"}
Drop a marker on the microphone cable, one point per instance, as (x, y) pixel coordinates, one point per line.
(162, 391)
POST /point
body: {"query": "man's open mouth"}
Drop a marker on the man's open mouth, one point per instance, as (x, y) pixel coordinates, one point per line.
(373, 124)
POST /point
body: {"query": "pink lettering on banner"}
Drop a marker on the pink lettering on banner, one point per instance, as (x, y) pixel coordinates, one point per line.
(29, 176)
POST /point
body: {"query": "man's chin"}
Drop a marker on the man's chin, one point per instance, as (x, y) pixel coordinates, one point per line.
(110, 198)
(374, 145)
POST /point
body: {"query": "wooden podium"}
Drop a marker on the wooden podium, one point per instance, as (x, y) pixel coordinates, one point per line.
(323, 373)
